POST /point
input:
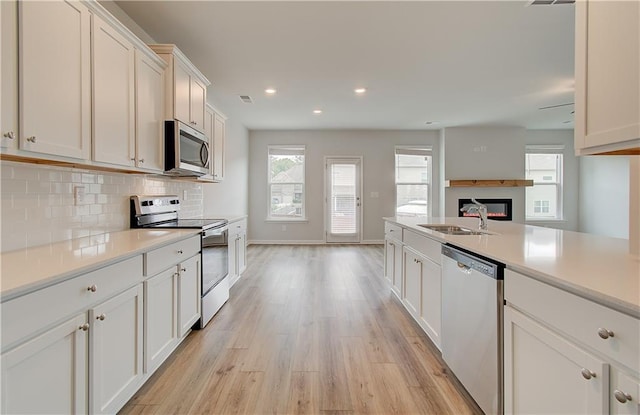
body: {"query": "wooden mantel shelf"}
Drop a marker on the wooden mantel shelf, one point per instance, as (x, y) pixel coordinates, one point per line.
(489, 183)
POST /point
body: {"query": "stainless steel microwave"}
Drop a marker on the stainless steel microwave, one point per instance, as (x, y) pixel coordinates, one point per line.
(186, 150)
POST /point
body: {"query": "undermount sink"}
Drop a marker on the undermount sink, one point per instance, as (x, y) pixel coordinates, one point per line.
(453, 230)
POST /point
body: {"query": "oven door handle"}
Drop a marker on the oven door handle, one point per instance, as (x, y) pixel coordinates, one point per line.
(215, 232)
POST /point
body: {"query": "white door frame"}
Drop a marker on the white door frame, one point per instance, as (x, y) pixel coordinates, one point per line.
(357, 160)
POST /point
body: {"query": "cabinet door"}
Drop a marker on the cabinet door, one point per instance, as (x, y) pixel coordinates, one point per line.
(208, 131)
(149, 114)
(9, 74)
(547, 374)
(55, 80)
(398, 271)
(242, 253)
(48, 374)
(624, 395)
(218, 147)
(412, 281)
(188, 294)
(113, 96)
(607, 73)
(182, 93)
(431, 299)
(389, 258)
(160, 318)
(116, 350)
(198, 100)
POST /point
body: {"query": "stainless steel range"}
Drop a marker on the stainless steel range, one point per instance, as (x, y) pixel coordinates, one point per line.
(162, 212)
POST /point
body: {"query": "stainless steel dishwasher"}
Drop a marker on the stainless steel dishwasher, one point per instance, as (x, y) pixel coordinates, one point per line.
(472, 301)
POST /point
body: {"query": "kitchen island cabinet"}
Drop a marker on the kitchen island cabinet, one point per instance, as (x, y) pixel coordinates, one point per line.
(237, 249)
(393, 261)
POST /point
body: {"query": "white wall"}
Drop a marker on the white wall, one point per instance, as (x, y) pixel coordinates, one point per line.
(604, 196)
(484, 153)
(571, 172)
(377, 149)
(231, 196)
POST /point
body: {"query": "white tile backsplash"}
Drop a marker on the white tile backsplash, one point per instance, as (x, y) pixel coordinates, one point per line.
(38, 204)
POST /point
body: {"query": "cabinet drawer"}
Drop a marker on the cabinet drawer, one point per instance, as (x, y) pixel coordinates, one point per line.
(392, 231)
(426, 246)
(238, 228)
(27, 315)
(167, 256)
(577, 317)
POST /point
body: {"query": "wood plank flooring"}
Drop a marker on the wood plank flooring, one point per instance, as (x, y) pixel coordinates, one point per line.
(307, 330)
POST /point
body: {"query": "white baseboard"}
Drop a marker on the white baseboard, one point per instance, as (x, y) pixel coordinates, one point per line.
(311, 242)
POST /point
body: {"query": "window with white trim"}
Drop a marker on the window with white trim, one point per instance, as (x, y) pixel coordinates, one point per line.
(413, 180)
(286, 173)
(544, 165)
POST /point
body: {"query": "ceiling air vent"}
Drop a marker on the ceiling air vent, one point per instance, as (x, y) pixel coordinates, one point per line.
(550, 2)
(246, 99)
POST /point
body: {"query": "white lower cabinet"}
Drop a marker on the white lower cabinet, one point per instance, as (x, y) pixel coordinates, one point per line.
(116, 350)
(160, 318)
(422, 292)
(188, 294)
(237, 250)
(48, 374)
(546, 373)
(624, 393)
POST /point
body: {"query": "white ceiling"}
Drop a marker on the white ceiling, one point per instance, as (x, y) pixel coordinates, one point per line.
(454, 62)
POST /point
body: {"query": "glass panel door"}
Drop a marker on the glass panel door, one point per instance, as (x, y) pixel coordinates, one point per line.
(343, 200)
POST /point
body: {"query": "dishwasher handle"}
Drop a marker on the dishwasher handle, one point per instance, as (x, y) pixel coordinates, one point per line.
(468, 261)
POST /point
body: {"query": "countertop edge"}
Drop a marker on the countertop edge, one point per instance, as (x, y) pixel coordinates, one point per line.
(605, 300)
(76, 272)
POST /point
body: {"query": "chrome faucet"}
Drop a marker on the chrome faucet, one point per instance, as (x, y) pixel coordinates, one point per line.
(480, 209)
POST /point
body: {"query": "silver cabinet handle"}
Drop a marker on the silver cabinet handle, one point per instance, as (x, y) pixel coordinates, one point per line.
(93, 288)
(10, 135)
(621, 397)
(587, 374)
(84, 327)
(604, 333)
(101, 317)
(183, 269)
(31, 139)
(141, 160)
(133, 159)
(180, 251)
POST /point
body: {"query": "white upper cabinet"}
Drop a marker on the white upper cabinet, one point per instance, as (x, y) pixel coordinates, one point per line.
(149, 113)
(219, 137)
(55, 81)
(186, 88)
(113, 96)
(9, 74)
(607, 69)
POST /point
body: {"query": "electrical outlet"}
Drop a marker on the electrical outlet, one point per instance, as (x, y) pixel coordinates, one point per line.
(284, 228)
(78, 195)
(375, 195)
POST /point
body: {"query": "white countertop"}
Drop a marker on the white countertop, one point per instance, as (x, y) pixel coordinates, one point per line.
(595, 267)
(33, 268)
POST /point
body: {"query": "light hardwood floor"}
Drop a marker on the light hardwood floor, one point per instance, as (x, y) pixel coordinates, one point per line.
(307, 330)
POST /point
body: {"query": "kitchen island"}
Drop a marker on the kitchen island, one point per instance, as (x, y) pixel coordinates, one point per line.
(571, 328)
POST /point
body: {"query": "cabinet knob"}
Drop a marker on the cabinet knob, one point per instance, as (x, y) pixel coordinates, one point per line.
(10, 135)
(141, 160)
(84, 327)
(180, 251)
(621, 396)
(133, 159)
(101, 317)
(31, 139)
(92, 288)
(604, 333)
(587, 374)
(183, 269)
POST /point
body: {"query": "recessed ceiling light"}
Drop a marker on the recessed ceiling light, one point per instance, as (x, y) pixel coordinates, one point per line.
(317, 111)
(360, 91)
(270, 91)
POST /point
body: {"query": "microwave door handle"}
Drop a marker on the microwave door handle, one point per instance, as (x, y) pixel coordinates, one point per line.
(204, 155)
